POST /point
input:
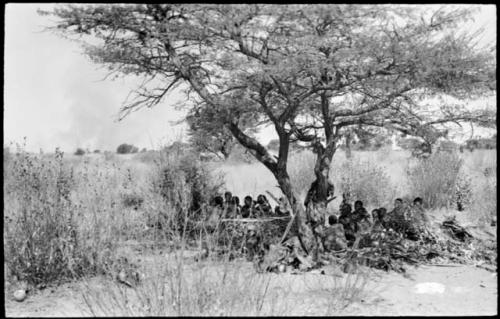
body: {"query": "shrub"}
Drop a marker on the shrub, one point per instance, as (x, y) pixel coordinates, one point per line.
(186, 185)
(41, 240)
(481, 143)
(132, 200)
(435, 178)
(126, 149)
(365, 181)
(463, 192)
(409, 143)
(79, 151)
(97, 151)
(447, 146)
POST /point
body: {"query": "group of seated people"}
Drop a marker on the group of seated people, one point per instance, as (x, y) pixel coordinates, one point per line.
(229, 207)
(342, 231)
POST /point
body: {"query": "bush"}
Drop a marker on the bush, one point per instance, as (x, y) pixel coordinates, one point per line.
(409, 143)
(132, 200)
(80, 151)
(484, 201)
(126, 149)
(365, 181)
(41, 240)
(447, 146)
(187, 187)
(463, 192)
(481, 143)
(435, 179)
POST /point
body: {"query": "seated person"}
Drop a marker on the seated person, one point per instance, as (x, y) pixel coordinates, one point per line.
(247, 208)
(383, 217)
(378, 228)
(216, 212)
(396, 219)
(419, 212)
(416, 220)
(228, 196)
(252, 241)
(227, 203)
(234, 207)
(262, 206)
(361, 217)
(334, 238)
(283, 208)
(350, 226)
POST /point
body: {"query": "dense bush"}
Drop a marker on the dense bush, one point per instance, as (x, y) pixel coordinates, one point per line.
(365, 181)
(435, 179)
(126, 149)
(79, 151)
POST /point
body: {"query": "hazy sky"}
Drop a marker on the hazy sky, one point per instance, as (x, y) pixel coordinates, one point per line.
(55, 96)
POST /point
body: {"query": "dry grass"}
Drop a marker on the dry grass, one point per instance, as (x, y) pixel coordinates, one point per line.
(104, 221)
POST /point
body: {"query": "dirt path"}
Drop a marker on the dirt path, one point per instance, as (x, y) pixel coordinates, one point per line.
(427, 290)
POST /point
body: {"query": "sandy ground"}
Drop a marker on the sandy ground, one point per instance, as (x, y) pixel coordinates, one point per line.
(426, 290)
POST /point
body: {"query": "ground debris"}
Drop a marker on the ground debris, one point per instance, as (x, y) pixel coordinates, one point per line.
(455, 245)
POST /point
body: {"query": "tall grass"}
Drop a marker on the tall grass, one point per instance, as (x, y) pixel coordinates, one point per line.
(41, 236)
(366, 181)
(434, 178)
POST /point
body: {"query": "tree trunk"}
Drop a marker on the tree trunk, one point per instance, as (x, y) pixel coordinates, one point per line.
(301, 229)
(316, 210)
(348, 151)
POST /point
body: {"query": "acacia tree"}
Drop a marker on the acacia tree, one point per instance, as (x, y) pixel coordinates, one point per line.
(310, 71)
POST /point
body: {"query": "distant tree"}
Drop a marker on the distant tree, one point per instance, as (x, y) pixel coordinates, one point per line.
(143, 150)
(79, 151)
(126, 149)
(97, 151)
(481, 143)
(274, 145)
(311, 71)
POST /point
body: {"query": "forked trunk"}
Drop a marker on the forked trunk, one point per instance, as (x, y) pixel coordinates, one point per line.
(298, 225)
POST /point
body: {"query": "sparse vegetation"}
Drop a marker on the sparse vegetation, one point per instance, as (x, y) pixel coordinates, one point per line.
(435, 178)
(366, 181)
(109, 208)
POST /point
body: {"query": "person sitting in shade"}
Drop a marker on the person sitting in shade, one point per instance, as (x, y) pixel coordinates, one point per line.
(334, 238)
(247, 208)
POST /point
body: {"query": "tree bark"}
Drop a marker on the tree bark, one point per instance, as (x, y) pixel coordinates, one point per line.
(348, 151)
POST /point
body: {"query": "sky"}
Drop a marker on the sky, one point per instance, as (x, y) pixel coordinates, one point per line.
(56, 97)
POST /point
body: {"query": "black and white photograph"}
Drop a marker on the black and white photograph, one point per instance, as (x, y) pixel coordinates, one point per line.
(253, 159)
